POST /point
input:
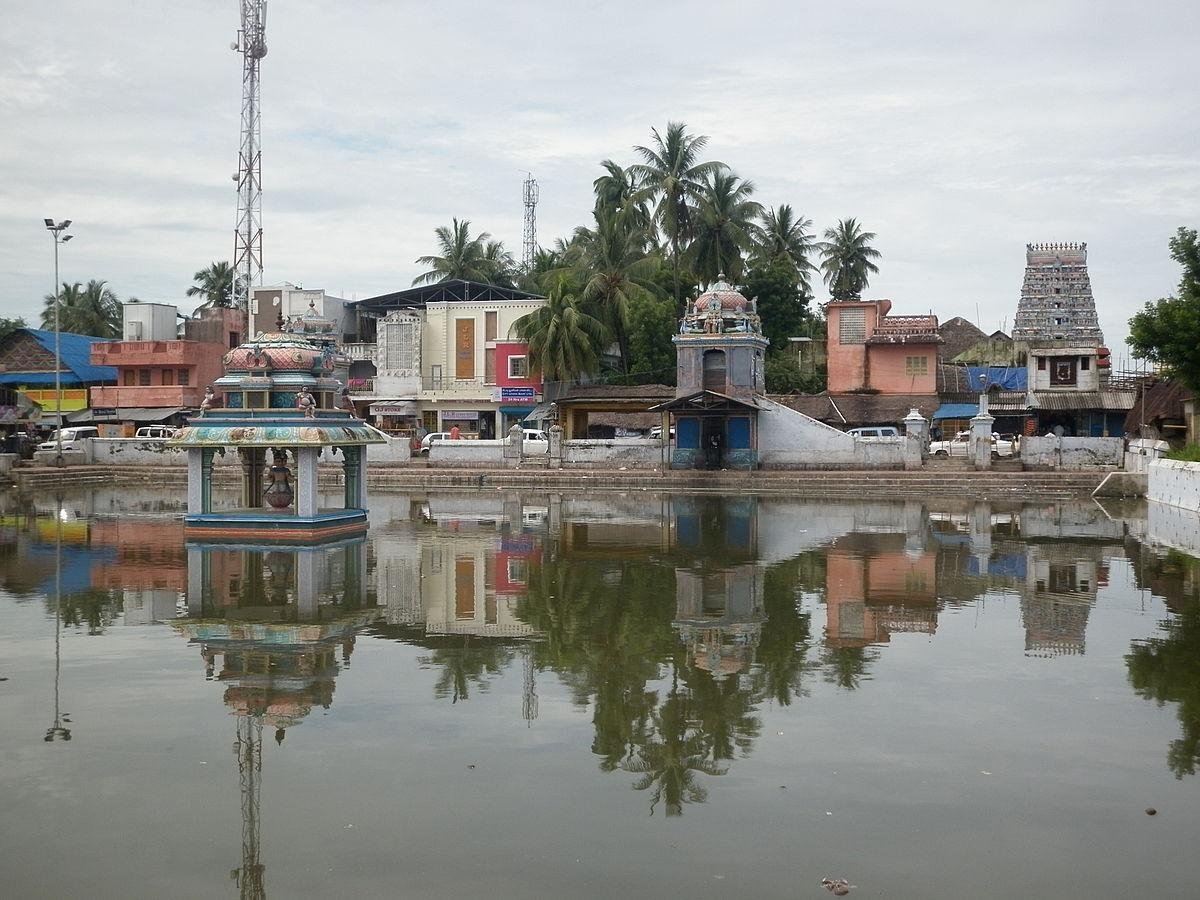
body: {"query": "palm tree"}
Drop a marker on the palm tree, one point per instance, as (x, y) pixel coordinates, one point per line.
(785, 235)
(615, 270)
(620, 191)
(502, 268)
(847, 257)
(724, 227)
(214, 284)
(671, 172)
(93, 310)
(564, 341)
(462, 256)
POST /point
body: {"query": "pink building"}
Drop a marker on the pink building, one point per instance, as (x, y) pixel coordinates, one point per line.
(167, 374)
(871, 351)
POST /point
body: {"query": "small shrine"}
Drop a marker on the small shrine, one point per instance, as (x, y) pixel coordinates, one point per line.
(278, 395)
(720, 371)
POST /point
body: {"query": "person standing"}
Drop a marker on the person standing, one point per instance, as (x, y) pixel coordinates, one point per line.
(455, 434)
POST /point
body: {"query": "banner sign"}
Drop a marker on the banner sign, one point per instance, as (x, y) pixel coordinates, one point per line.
(517, 393)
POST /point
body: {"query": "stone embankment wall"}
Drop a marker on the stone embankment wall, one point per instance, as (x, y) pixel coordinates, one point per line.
(1071, 452)
(1176, 484)
(791, 440)
(466, 454)
(627, 453)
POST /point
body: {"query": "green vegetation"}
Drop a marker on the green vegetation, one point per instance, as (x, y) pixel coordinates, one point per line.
(1190, 453)
(663, 228)
(8, 326)
(93, 310)
(214, 285)
(1167, 332)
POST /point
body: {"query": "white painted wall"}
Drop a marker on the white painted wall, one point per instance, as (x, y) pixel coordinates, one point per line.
(1176, 483)
(1053, 452)
(1173, 526)
(467, 454)
(788, 439)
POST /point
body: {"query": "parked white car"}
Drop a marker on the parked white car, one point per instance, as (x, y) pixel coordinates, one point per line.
(1002, 446)
(430, 439)
(535, 441)
(72, 438)
(155, 433)
(875, 431)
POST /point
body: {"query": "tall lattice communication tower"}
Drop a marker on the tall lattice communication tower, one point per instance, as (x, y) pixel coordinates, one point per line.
(247, 240)
(529, 245)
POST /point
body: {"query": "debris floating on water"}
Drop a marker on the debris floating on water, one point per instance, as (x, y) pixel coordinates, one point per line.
(1151, 811)
(838, 886)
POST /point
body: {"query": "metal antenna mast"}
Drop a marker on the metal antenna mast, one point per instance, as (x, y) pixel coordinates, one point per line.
(529, 244)
(247, 241)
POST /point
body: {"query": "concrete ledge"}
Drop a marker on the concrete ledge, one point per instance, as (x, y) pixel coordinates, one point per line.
(240, 526)
(1122, 484)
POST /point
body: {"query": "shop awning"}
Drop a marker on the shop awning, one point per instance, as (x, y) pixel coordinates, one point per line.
(540, 413)
(516, 410)
(956, 411)
(151, 414)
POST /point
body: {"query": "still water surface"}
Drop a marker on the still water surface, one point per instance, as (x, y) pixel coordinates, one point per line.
(640, 695)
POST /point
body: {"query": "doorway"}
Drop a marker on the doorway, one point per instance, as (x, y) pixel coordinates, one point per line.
(712, 441)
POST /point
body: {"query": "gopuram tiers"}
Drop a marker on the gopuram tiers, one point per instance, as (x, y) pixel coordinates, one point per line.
(1056, 303)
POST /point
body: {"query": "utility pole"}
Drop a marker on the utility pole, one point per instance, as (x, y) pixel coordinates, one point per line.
(529, 244)
(56, 230)
(248, 234)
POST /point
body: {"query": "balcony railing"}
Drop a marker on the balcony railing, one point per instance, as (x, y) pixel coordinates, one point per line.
(906, 325)
(361, 385)
(445, 383)
(361, 351)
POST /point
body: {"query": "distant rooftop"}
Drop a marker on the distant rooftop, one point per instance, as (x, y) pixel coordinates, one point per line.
(455, 291)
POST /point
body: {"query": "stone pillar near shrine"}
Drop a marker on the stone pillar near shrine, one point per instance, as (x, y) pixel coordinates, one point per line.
(556, 439)
(979, 445)
(354, 467)
(253, 461)
(306, 480)
(200, 466)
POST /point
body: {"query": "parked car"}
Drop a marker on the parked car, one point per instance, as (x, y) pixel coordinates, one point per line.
(656, 432)
(875, 431)
(72, 438)
(1002, 446)
(535, 441)
(155, 433)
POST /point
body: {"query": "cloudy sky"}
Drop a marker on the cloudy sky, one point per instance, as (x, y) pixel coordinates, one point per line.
(955, 131)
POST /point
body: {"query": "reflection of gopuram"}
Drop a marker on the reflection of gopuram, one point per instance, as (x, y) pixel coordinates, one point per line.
(270, 624)
(1060, 590)
(718, 592)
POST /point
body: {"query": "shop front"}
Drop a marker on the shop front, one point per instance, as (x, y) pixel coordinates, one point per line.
(399, 418)
(471, 423)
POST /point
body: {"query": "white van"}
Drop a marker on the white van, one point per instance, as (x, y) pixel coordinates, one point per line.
(72, 438)
(875, 431)
(155, 433)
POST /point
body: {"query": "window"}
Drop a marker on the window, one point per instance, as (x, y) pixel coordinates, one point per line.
(489, 365)
(489, 326)
(185, 377)
(435, 378)
(1085, 363)
(235, 338)
(518, 367)
(1062, 370)
(168, 376)
(1041, 363)
(714, 370)
(852, 326)
(144, 377)
(916, 365)
(130, 378)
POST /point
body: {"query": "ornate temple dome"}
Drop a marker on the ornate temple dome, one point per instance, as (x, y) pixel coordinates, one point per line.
(729, 298)
(279, 352)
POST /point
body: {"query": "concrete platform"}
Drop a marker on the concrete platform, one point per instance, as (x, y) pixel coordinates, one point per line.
(243, 526)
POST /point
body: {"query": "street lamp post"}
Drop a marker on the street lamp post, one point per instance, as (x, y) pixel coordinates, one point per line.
(56, 232)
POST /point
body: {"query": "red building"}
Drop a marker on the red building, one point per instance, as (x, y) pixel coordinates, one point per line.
(517, 389)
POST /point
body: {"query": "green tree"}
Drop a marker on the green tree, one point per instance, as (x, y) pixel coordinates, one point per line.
(214, 285)
(1167, 331)
(847, 259)
(784, 376)
(652, 324)
(672, 173)
(464, 257)
(565, 342)
(615, 271)
(8, 326)
(620, 191)
(724, 227)
(93, 310)
(538, 277)
(782, 305)
(784, 235)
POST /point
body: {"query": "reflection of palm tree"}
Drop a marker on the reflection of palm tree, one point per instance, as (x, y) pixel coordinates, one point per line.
(669, 759)
(724, 711)
(846, 666)
(466, 665)
(785, 640)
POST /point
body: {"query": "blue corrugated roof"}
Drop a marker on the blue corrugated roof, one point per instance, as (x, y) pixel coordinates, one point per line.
(956, 411)
(1007, 378)
(76, 351)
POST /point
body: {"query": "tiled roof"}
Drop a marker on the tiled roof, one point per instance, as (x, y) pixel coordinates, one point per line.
(1056, 401)
(1163, 400)
(76, 354)
(655, 392)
